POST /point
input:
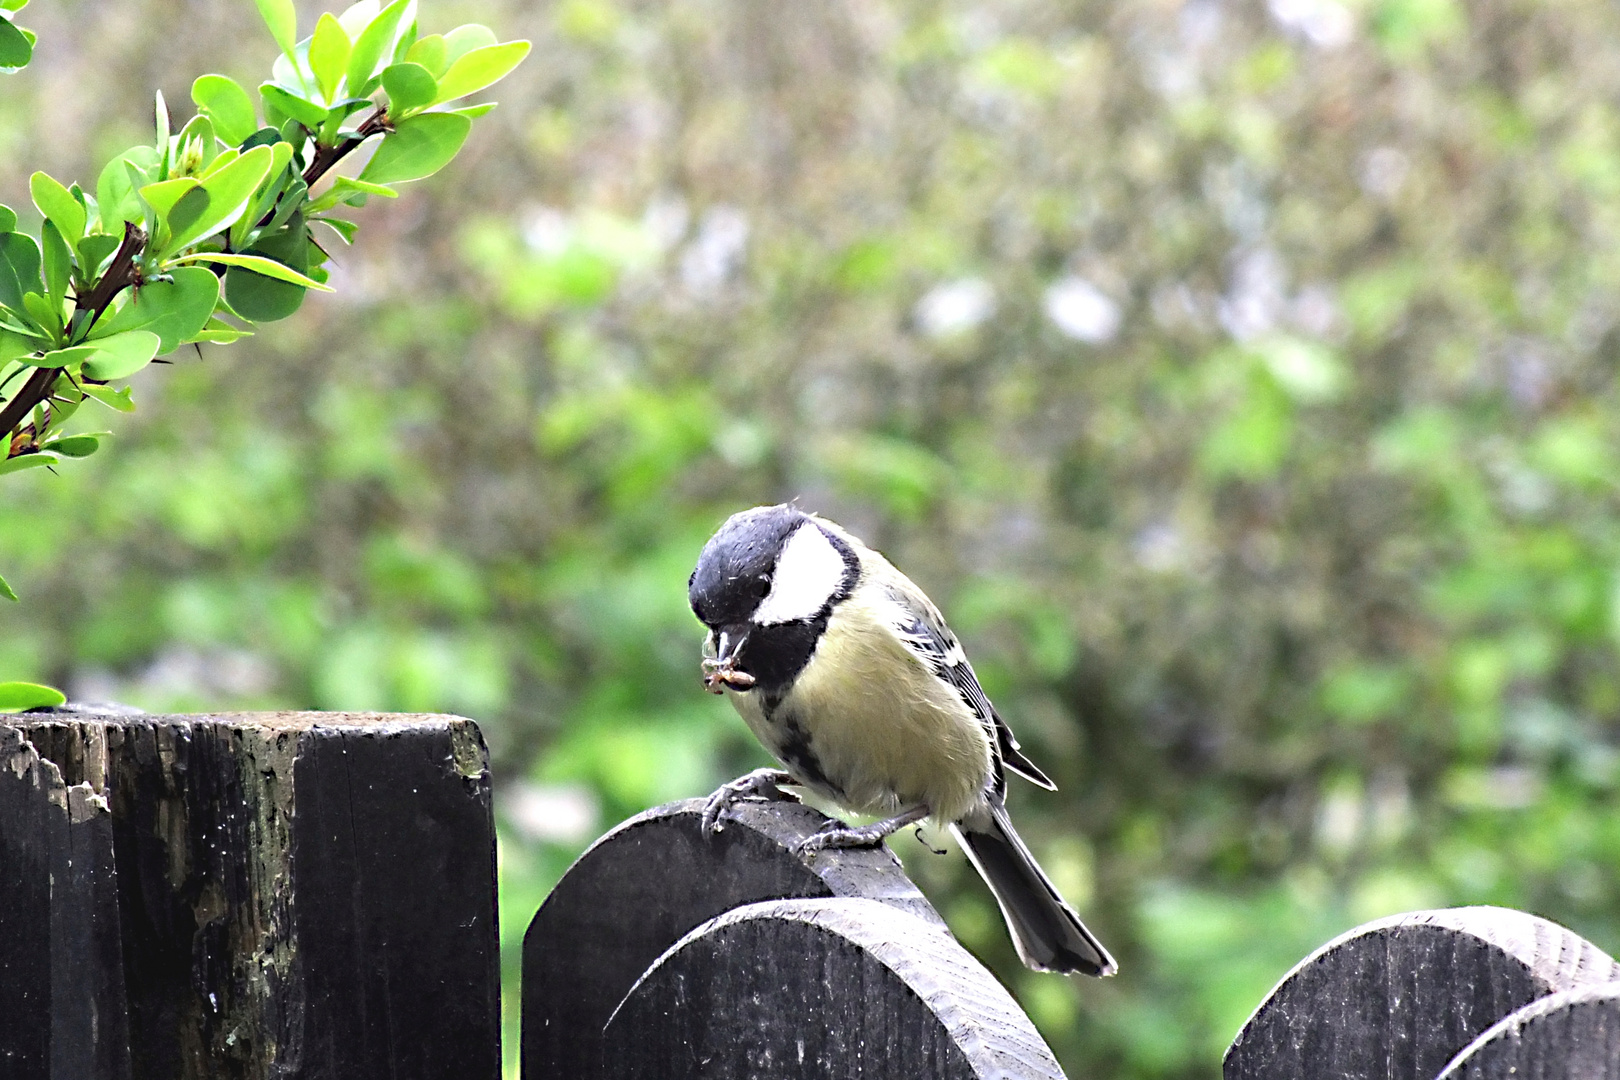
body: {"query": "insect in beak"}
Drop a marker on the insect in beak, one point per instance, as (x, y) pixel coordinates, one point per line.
(720, 671)
(718, 675)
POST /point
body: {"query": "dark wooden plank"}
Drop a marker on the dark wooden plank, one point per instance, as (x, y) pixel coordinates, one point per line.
(393, 830)
(831, 989)
(61, 972)
(1571, 1035)
(1397, 998)
(643, 886)
(299, 894)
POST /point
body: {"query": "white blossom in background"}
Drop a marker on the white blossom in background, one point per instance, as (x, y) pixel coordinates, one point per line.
(1160, 547)
(547, 230)
(1383, 172)
(716, 253)
(1256, 300)
(1082, 311)
(955, 306)
(1327, 24)
(1315, 312)
(665, 221)
(554, 813)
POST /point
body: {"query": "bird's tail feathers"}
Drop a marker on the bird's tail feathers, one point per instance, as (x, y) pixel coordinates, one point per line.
(1047, 932)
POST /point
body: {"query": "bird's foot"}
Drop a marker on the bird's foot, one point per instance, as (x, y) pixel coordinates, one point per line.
(761, 784)
(837, 835)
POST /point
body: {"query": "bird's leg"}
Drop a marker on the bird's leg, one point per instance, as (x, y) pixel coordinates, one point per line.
(835, 834)
(763, 784)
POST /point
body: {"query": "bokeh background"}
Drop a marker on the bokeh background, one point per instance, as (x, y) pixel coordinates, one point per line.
(1239, 377)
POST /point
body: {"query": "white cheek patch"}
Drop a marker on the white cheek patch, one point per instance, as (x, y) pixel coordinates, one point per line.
(808, 574)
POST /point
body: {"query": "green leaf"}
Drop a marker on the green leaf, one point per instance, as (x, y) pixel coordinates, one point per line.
(375, 42)
(58, 204)
(223, 333)
(222, 159)
(15, 48)
(58, 263)
(223, 100)
(5, 590)
(329, 54)
(306, 112)
(480, 68)
(256, 263)
(344, 229)
(226, 194)
(357, 16)
(259, 298)
(264, 299)
(16, 322)
(93, 251)
(17, 696)
(21, 696)
(292, 200)
(164, 195)
(116, 192)
(174, 310)
(417, 148)
(26, 461)
(19, 268)
(114, 399)
(409, 87)
(61, 358)
(473, 112)
(43, 312)
(464, 39)
(121, 355)
(8, 219)
(292, 71)
(74, 445)
(282, 19)
(344, 188)
(14, 345)
(430, 52)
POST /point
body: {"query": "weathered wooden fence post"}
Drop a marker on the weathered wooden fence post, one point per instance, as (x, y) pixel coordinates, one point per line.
(1475, 992)
(667, 953)
(258, 895)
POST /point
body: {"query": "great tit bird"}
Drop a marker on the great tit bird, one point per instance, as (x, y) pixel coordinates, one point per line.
(846, 672)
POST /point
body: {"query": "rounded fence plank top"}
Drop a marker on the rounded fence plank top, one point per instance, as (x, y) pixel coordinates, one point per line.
(821, 988)
(645, 885)
(1396, 999)
(1570, 1035)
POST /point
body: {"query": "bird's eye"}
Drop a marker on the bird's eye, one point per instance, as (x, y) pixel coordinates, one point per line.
(762, 588)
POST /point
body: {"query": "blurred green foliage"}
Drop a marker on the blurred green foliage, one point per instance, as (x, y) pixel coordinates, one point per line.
(1239, 378)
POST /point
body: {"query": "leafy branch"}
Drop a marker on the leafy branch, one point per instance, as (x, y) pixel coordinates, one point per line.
(207, 231)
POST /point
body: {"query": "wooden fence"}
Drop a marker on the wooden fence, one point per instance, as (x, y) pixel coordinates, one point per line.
(304, 895)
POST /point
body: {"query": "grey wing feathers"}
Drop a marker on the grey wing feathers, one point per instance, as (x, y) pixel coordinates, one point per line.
(937, 646)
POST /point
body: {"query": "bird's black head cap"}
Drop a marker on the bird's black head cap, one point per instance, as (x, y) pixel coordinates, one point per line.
(734, 571)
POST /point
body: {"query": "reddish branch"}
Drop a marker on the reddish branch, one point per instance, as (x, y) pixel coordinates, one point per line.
(122, 272)
(327, 156)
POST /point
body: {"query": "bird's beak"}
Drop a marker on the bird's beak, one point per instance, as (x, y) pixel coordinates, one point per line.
(720, 671)
(728, 641)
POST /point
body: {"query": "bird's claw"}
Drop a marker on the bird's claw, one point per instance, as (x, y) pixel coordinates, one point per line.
(835, 835)
(762, 784)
